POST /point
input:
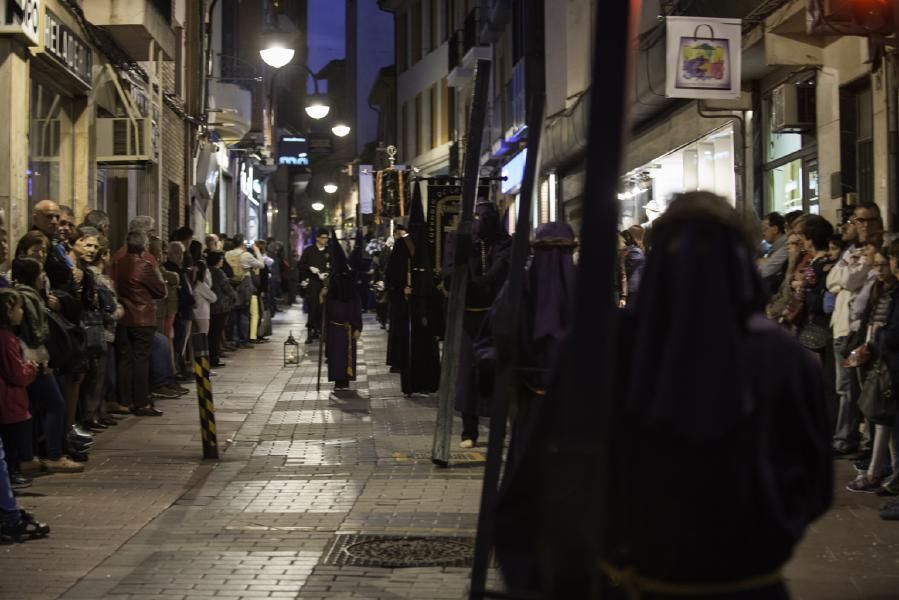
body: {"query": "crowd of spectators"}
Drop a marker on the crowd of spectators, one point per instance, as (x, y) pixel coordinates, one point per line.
(90, 334)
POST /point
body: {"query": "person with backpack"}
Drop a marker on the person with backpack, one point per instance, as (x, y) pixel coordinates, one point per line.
(45, 399)
(16, 374)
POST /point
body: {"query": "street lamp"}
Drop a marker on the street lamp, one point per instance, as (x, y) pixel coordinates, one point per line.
(318, 206)
(330, 188)
(341, 130)
(318, 107)
(277, 49)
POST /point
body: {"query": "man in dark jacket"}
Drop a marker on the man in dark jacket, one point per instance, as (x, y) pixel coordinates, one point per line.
(314, 266)
(139, 285)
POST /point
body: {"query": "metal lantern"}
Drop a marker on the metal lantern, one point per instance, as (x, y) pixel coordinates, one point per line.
(291, 352)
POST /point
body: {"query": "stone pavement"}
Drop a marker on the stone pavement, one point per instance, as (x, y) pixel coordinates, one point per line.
(301, 471)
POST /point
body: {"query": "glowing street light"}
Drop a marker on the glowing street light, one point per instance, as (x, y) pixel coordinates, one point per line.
(277, 49)
(330, 188)
(341, 130)
(318, 206)
(318, 107)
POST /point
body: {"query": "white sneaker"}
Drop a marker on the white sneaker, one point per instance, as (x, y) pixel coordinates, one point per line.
(466, 444)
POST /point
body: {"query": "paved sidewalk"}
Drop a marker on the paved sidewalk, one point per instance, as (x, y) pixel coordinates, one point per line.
(299, 471)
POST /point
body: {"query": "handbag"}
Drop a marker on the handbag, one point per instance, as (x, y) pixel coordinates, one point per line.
(94, 332)
(877, 401)
(814, 336)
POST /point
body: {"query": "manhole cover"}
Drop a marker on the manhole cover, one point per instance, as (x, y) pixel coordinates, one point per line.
(399, 551)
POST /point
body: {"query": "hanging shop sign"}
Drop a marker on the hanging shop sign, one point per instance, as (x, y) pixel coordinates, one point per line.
(248, 182)
(443, 210)
(21, 19)
(703, 58)
(67, 48)
(293, 151)
(367, 190)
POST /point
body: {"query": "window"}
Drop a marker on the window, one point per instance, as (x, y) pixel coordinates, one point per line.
(402, 41)
(51, 145)
(449, 107)
(435, 118)
(404, 123)
(417, 132)
(435, 13)
(415, 31)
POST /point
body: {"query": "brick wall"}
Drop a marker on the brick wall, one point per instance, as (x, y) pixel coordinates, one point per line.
(172, 156)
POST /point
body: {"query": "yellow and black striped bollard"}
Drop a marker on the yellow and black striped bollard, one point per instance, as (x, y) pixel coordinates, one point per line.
(204, 396)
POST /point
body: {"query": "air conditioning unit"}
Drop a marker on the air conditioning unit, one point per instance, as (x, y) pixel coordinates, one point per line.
(793, 108)
(125, 141)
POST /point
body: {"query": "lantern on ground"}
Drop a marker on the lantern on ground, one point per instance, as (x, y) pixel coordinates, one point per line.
(291, 352)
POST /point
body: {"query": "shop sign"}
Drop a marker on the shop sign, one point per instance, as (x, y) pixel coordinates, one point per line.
(366, 189)
(703, 58)
(21, 18)
(293, 151)
(318, 143)
(67, 48)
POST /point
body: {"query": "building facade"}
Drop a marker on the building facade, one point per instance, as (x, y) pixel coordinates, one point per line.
(96, 109)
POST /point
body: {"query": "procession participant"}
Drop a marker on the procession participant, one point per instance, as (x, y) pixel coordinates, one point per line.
(547, 313)
(421, 374)
(487, 268)
(343, 313)
(314, 267)
(397, 278)
(729, 389)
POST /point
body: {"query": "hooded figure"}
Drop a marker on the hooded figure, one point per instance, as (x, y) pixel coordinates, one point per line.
(421, 371)
(361, 267)
(398, 279)
(547, 312)
(343, 313)
(712, 396)
(487, 268)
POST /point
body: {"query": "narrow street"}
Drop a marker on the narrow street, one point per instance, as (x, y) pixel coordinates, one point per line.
(301, 472)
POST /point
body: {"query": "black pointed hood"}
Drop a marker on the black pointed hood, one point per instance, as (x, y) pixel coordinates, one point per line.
(338, 256)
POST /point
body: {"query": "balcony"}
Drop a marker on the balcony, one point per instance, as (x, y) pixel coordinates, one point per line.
(124, 141)
(465, 51)
(134, 24)
(230, 111)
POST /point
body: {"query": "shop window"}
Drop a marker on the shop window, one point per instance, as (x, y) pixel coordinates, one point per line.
(417, 131)
(857, 142)
(790, 170)
(706, 164)
(51, 145)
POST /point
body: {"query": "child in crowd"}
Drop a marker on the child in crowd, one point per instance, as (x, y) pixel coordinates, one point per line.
(16, 374)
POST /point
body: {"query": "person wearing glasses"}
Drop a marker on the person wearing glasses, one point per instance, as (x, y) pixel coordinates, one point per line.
(845, 280)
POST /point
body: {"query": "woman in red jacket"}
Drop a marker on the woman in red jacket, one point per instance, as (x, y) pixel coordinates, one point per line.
(15, 375)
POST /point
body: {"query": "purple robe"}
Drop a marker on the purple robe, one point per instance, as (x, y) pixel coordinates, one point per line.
(344, 318)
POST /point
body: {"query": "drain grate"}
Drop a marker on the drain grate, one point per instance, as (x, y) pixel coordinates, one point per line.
(394, 552)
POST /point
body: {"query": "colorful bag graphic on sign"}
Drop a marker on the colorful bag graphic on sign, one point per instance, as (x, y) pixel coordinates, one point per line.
(704, 63)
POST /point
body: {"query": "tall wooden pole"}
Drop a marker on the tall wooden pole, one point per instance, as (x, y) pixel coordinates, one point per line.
(582, 391)
(506, 318)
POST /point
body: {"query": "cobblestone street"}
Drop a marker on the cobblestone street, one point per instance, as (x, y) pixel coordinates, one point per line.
(301, 472)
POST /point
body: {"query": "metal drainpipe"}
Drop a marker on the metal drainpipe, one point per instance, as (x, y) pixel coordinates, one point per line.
(889, 87)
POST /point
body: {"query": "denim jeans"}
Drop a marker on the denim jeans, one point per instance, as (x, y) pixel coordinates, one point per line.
(49, 407)
(9, 511)
(849, 417)
(161, 372)
(241, 324)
